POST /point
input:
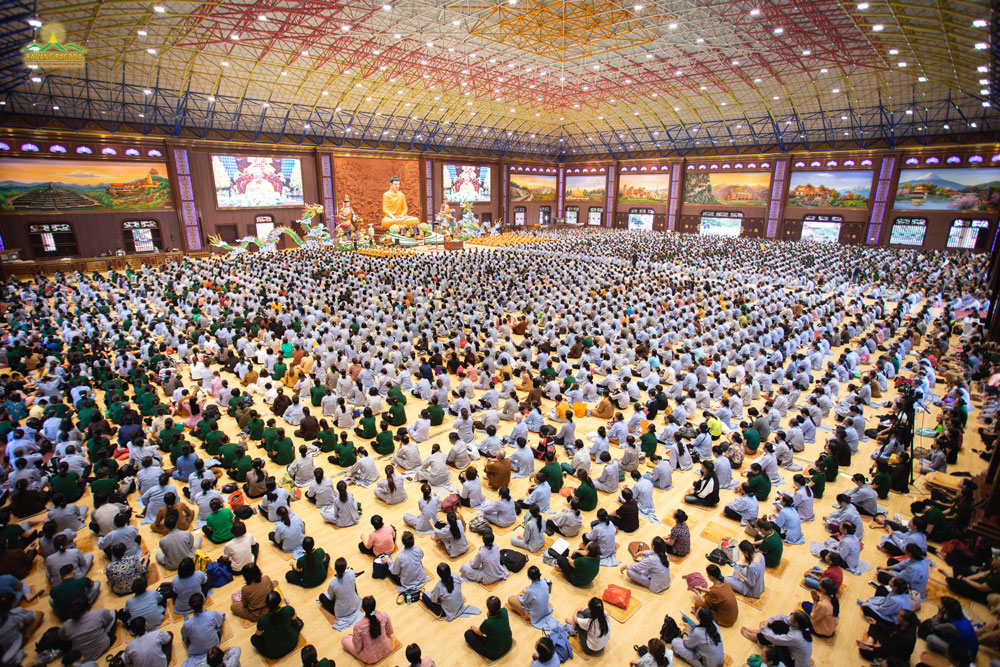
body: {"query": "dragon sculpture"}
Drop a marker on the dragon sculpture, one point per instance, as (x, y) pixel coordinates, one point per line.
(317, 235)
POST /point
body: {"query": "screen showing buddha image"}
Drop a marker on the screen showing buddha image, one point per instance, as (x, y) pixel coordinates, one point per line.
(243, 181)
(465, 183)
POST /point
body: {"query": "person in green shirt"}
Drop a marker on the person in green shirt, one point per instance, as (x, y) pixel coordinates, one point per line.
(214, 439)
(397, 393)
(493, 638)
(881, 481)
(316, 394)
(585, 494)
(279, 371)
(227, 453)
(751, 438)
(397, 413)
(278, 630)
(62, 595)
(585, 566)
(759, 482)
(287, 350)
(366, 426)
(770, 545)
(817, 480)
(384, 441)
(310, 569)
(553, 472)
(648, 442)
(167, 432)
(435, 412)
(344, 454)
(240, 466)
(282, 451)
(103, 483)
(67, 483)
(269, 434)
(219, 524)
(255, 427)
(327, 438)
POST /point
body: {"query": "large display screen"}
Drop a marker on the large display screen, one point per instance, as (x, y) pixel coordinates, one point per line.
(964, 233)
(65, 186)
(640, 221)
(908, 231)
(748, 188)
(533, 187)
(830, 189)
(466, 183)
(822, 232)
(717, 225)
(644, 188)
(586, 188)
(948, 189)
(243, 181)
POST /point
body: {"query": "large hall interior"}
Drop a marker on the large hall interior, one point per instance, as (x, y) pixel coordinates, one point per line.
(518, 332)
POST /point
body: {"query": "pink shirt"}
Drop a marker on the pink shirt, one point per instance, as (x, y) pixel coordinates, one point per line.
(382, 541)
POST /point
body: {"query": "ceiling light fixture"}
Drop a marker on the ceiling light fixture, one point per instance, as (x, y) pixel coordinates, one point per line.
(981, 46)
(863, 6)
(143, 33)
(978, 23)
(159, 9)
(34, 23)
(778, 31)
(754, 12)
(151, 52)
(878, 27)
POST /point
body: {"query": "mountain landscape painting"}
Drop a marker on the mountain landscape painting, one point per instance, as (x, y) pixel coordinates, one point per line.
(948, 189)
(28, 186)
(835, 189)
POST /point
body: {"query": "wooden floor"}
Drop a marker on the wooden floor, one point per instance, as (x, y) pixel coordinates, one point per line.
(443, 641)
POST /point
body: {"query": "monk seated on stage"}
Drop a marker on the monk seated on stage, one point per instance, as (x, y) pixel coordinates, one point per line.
(394, 207)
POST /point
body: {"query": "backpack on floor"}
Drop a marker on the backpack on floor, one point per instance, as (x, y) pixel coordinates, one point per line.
(218, 574)
(513, 560)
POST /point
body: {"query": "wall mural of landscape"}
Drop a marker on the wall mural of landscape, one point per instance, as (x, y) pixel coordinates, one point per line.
(948, 189)
(748, 188)
(830, 189)
(30, 186)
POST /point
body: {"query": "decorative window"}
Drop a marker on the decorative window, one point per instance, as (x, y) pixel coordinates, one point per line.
(53, 239)
(4, 146)
(975, 158)
(738, 165)
(849, 163)
(83, 150)
(713, 166)
(108, 150)
(953, 159)
(831, 163)
(936, 160)
(751, 165)
(726, 165)
(29, 148)
(152, 152)
(701, 167)
(141, 236)
(131, 151)
(56, 148)
(866, 162)
(765, 165)
(815, 163)
(912, 160)
(690, 167)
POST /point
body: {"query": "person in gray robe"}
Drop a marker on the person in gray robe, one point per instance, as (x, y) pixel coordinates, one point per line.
(486, 567)
(428, 504)
(406, 570)
(446, 599)
(341, 597)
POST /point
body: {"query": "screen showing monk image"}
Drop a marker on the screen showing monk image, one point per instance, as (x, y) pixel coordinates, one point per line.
(243, 181)
(465, 183)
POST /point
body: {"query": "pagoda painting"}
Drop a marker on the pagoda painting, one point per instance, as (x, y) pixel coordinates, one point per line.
(55, 185)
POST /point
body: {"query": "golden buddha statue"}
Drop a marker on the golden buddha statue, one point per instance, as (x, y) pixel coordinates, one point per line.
(394, 207)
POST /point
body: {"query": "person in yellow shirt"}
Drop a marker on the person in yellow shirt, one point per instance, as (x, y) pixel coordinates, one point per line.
(714, 426)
